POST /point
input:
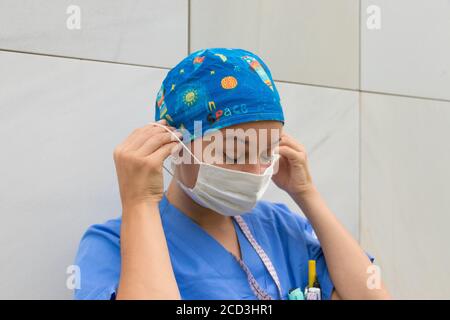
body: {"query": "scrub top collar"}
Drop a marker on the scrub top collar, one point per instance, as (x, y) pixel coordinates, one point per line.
(207, 247)
(201, 242)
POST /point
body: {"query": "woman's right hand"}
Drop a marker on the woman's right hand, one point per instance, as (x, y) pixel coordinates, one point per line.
(139, 161)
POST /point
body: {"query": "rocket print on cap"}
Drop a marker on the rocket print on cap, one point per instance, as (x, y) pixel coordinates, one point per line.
(198, 61)
(161, 103)
(255, 65)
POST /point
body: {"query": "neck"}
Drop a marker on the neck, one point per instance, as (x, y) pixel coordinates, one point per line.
(218, 226)
(204, 217)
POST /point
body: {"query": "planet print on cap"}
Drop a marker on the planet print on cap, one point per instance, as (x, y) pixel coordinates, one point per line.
(229, 82)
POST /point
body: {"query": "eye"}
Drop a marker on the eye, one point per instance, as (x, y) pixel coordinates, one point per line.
(231, 157)
(267, 158)
(233, 154)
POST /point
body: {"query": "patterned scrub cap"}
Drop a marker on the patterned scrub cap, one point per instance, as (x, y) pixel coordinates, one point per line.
(218, 87)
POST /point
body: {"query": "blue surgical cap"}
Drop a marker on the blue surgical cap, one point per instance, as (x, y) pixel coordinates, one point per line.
(218, 87)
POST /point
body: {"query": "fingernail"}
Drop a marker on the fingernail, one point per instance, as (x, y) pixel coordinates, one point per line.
(162, 121)
(176, 135)
(175, 149)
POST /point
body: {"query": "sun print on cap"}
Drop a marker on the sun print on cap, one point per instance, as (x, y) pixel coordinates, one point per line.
(190, 97)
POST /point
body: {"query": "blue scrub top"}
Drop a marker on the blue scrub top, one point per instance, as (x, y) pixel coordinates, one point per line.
(203, 268)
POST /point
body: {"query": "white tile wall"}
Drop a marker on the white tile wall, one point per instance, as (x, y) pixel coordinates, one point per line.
(405, 193)
(410, 54)
(306, 41)
(326, 122)
(60, 120)
(139, 32)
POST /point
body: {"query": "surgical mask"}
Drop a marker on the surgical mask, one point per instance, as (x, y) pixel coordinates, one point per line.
(228, 192)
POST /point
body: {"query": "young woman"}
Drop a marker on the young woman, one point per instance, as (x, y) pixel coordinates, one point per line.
(209, 236)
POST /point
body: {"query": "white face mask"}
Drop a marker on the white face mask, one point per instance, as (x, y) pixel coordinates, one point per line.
(229, 192)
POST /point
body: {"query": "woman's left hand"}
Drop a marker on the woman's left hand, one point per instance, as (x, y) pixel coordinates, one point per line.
(293, 173)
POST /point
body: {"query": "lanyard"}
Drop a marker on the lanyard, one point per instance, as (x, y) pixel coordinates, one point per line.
(257, 290)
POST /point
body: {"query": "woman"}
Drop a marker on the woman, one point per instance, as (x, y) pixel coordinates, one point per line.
(209, 236)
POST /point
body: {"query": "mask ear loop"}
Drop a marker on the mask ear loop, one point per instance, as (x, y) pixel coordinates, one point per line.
(179, 140)
(168, 171)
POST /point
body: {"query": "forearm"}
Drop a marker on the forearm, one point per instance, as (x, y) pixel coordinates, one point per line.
(146, 270)
(346, 261)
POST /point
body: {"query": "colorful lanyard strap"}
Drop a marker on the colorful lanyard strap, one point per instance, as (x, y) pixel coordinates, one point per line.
(257, 290)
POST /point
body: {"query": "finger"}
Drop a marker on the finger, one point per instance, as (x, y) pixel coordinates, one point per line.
(164, 151)
(156, 141)
(161, 121)
(143, 134)
(290, 141)
(291, 154)
(137, 131)
(132, 137)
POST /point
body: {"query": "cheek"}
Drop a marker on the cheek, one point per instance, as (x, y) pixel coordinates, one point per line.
(188, 174)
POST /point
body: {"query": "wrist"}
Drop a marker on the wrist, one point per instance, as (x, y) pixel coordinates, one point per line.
(304, 195)
(134, 207)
